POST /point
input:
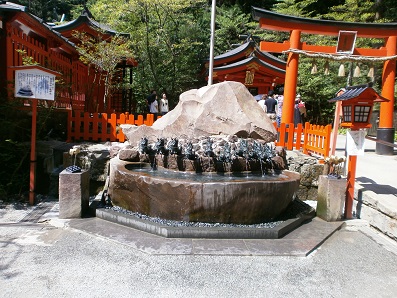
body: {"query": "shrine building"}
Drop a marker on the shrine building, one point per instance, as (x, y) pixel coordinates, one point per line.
(22, 34)
(258, 71)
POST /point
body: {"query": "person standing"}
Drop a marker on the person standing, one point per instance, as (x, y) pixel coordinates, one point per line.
(271, 106)
(280, 101)
(297, 113)
(261, 102)
(302, 110)
(164, 104)
(150, 99)
(154, 108)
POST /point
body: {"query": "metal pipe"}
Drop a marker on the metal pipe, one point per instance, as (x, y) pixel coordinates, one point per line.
(211, 65)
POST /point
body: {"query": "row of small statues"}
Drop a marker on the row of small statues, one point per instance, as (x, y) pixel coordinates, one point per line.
(254, 151)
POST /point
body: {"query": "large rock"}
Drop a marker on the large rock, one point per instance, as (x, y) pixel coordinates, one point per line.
(225, 108)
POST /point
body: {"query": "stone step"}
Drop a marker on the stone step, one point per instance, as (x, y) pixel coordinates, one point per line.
(377, 207)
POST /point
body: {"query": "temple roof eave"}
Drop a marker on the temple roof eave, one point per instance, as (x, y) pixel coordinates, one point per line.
(249, 61)
(84, 19)
(235, 52)
(242, 51)
(22, 10)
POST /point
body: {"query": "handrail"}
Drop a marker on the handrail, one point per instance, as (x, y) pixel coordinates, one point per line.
(381, 142)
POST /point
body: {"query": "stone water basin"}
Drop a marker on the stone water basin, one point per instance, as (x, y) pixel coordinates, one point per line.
(239, 198)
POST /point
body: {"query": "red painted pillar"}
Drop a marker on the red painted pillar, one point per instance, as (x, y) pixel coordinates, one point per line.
(291, 78)
(351, 179)
(10, 52)
(33, 154)
(385, 131)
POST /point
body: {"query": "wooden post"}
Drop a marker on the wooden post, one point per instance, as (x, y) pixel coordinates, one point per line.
(338, 113)
(351, 179)
(33, 154)
(386, 131)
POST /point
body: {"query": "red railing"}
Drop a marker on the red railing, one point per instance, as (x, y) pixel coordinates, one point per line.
(84, 126)
(312, 139)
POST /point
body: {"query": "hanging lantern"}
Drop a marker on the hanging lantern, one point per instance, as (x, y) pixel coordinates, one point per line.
(357, 72)
(326, 68)
(341, 72)
(371, 72)
(314, 68)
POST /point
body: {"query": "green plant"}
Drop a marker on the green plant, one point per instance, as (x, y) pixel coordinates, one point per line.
(27, 60)
(342, 131)
(102, 55)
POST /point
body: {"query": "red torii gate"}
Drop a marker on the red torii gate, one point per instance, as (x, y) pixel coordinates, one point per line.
(294, 47)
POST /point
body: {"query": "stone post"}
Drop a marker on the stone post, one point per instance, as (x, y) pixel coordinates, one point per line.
(74, 194)
(331, 198)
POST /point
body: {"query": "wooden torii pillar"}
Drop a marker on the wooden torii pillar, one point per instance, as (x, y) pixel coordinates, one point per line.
(297, 25)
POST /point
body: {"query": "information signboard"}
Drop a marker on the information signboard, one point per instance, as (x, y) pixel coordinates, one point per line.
(34, 83)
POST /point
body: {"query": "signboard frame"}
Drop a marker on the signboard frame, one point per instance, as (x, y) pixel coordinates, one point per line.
(34, 82)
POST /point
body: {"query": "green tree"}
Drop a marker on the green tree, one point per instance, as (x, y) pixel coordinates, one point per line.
(102, 55)
(52, 11)
(168, 38)
(230, 24)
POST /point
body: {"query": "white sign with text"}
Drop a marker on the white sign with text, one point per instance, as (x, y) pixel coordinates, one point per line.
(34, 83)
(355, 140)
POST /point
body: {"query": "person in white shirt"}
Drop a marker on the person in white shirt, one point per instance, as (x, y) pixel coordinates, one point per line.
(154, 108)
(261, 102)
(164, 104)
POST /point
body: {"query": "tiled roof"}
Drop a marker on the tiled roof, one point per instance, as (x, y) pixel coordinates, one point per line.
(355, 91)
(84, 18)
(4, 5)
(248, 61)
(12, 7)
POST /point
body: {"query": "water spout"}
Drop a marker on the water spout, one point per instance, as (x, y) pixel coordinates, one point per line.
(189, 152)
(173, 147)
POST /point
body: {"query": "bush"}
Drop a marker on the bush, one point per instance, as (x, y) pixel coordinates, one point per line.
(15, 132)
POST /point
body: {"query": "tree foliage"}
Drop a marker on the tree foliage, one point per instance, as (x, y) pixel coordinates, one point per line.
(102, 55)
(52, 11)
(168, 38)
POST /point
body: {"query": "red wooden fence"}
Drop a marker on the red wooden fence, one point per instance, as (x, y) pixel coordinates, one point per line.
(84, 126)
(312, 139)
